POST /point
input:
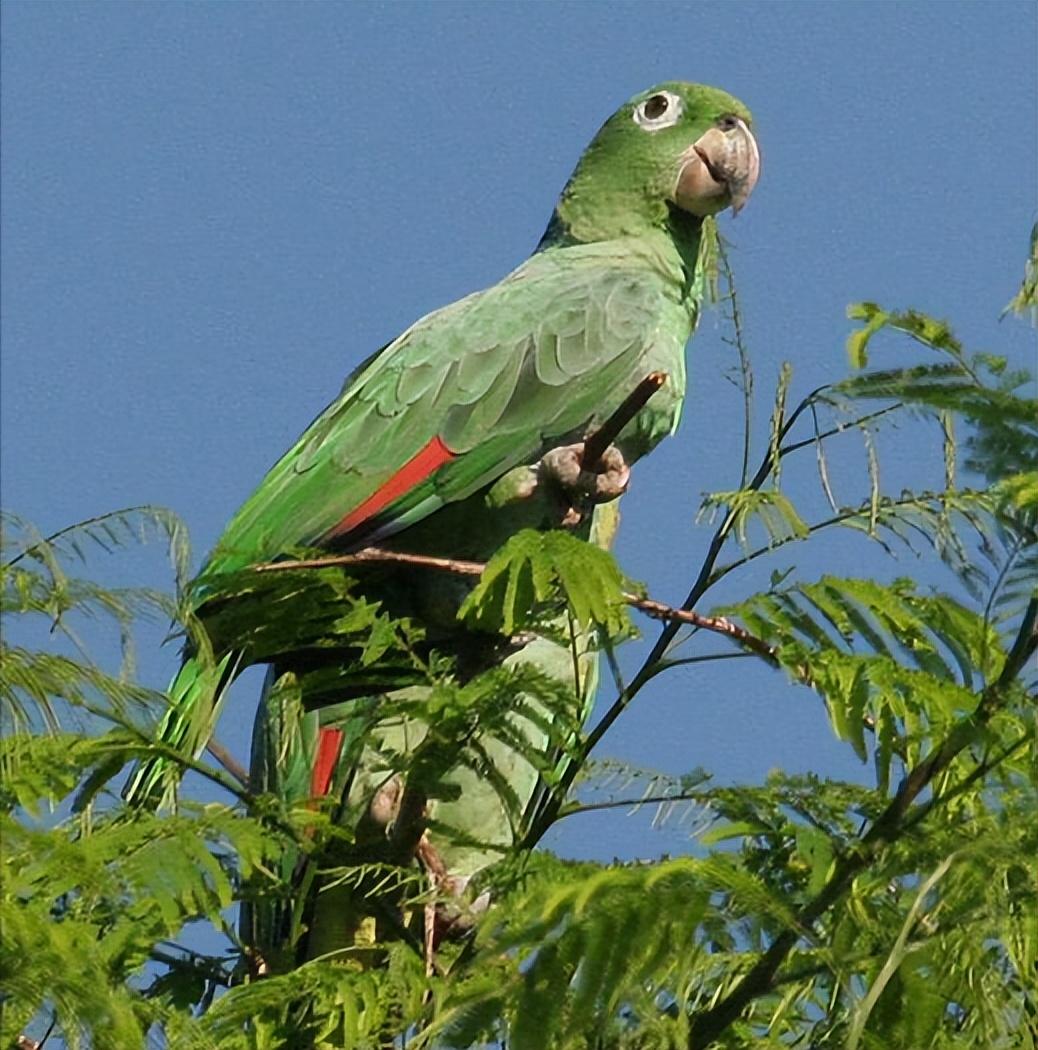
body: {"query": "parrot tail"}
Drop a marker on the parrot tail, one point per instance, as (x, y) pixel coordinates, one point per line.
(195, 697)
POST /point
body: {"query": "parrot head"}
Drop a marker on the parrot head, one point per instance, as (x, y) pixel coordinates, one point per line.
(676, 146)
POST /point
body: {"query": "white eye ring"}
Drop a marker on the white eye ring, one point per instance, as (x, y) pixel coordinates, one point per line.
(665, 117)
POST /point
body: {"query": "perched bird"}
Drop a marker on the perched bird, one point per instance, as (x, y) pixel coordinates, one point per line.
(463, 430)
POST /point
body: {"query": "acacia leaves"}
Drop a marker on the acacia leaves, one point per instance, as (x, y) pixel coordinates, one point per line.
(924, 329)
(534, 571)
(85, 903)
(895, 912)
(977, 388)
(887, 660)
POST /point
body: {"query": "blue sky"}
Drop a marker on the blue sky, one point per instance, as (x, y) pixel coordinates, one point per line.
(212, 212)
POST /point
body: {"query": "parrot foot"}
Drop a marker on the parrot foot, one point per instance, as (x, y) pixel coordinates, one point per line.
(445, 919)
(384, 807)
(256, 964)
(564, 469)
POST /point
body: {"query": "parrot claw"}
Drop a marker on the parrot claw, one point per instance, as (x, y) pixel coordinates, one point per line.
(450, 918)
(564, 468)
(385, 805)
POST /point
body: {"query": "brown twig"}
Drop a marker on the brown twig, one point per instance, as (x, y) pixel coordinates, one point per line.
(376, 554)
(607, 433)
(657, 610)
(717, 624)
(229, 762)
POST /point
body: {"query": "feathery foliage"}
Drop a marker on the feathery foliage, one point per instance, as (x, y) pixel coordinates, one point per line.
(892, 912)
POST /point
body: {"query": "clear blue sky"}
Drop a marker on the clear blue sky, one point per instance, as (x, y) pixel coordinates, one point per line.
(212, 212)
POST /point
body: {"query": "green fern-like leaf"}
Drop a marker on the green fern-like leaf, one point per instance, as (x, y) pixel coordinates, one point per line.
(772, 508)
(924, 329)
(1025, 302)
(534, 571)
(884, 657)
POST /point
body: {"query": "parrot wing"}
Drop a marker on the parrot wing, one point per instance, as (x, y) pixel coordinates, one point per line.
(464, 395)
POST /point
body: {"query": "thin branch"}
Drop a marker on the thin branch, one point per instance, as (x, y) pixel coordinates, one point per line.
(979, 773)
(657, 610)
(1023, 647)
(607, 433)
(376, 554)
(609, 650)
(836, 519)
(1019, 543)
(229, 762)
(717, 624)
(48, 541)
(839, 428)
(623, 803)
(149, 746)
(25, 1043)
(745, 369)
(666, 665)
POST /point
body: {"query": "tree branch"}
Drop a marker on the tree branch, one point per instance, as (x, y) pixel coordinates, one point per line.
(623, 803)
(657, 610)
(229, 762)
(609, 431)
(376, 554)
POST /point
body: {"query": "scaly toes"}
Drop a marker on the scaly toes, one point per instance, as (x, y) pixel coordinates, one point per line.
(563, 466)
(614, 476)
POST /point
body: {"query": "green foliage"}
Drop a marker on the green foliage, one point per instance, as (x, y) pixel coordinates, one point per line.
(978, 389)
(773, 509)
(86, 901)
(535, 571)
(583, 950)
(924, 329)
(888, 661)
(344, 1007)
(1025, 302)
(891, 914)
(313, 609)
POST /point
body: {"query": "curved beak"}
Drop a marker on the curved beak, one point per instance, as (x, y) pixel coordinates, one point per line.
(719, 169)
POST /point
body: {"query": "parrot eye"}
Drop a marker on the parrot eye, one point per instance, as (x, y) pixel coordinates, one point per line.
(728, 122)
(656, 107)
(661, 110)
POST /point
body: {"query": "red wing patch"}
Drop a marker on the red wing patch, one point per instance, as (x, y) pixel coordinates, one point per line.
(328, 745)
(412, 473)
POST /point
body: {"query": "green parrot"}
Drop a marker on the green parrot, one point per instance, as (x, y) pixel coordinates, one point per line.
(460, 432)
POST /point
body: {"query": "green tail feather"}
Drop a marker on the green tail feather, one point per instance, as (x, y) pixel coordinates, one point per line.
(195, 696)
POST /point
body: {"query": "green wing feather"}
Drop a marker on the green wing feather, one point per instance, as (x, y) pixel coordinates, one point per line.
(498, 376)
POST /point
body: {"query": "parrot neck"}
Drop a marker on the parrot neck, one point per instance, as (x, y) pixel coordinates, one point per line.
(685, 232)
(669, 233)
